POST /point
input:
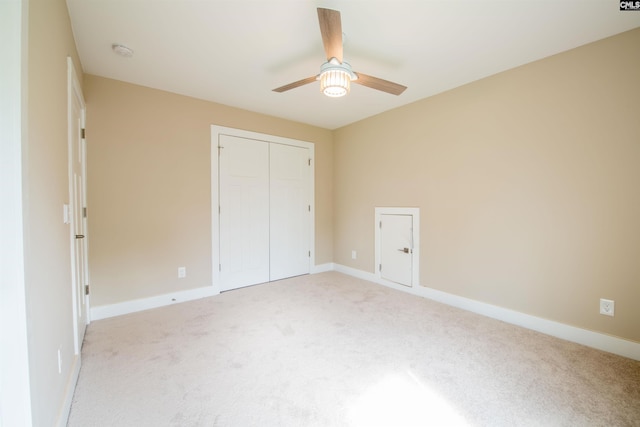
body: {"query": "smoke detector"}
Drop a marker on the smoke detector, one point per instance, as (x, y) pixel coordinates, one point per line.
(122, 50)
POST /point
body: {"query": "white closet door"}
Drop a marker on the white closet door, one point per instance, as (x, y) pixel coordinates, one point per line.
(289, 211)
(244, 212)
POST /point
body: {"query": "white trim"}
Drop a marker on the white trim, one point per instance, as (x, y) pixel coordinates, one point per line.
(600, 341)
(585, 337)
(63, 416)
(126, 307)
(15, 389)
(215, 212)
(216, 132)
(133, 306)
(322, 268)
(415, 244)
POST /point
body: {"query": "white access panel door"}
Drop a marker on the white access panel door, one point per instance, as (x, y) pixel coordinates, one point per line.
(244, 212)
(290, 214)
(396, 248)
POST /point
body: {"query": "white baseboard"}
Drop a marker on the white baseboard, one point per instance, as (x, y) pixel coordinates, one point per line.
(126, 307)
(600, 341)
(322, 268)
(63, 415)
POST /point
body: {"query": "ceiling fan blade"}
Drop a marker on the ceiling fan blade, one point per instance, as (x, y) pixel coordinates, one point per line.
(331, 30)
(379, 84)
(295, 84)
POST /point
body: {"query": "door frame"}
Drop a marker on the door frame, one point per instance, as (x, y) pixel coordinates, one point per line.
(415, 262)
(216, 132)
(15, 387)
(75, 90)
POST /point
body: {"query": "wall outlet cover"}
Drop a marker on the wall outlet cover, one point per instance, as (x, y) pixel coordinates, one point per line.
(607, 307)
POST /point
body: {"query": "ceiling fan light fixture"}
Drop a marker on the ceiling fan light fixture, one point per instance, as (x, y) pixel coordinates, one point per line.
(335, 78)
(335, 83)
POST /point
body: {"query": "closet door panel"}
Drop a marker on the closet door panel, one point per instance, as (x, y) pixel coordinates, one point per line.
(244, 212)
(289, 211)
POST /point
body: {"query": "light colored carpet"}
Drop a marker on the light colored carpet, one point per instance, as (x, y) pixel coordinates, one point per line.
(332, 350)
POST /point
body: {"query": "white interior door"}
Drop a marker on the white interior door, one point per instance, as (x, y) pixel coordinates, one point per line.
(396, 248)
(77, 169)
(290, 210)
(244, 212)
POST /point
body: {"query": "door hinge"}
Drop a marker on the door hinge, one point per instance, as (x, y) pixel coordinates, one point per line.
(83, 133)
(86, 289)
(379, 267)
(309, 254)
(220, 147)
(309, 162)
(84, 212)
(380, 224)
(309, 208)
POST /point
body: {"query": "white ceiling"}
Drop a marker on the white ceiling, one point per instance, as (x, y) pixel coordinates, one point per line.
(235, 52)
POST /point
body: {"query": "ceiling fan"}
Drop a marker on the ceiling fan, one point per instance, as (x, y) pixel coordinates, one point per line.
(335, 74)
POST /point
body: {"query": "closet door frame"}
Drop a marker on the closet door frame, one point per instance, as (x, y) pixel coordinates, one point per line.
(216, 133)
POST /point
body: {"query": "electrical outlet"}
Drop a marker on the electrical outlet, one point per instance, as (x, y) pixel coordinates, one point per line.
(182, 272)
(607, 307)
(353, 255)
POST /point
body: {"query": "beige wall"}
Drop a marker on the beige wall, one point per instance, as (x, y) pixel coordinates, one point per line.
(46, 189)
(528, 184)
(149, 192)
